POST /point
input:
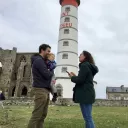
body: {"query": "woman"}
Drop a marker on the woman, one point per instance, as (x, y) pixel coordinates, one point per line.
(84, 92)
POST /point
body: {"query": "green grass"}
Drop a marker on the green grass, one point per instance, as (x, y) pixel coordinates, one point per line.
(66, 117)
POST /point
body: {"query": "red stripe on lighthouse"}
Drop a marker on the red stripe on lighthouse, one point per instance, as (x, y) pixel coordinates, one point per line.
(70, 2)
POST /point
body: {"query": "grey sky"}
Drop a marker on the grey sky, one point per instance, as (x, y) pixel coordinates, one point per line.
(103, 30)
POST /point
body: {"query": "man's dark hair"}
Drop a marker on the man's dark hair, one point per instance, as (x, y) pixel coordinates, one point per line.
(43, 47)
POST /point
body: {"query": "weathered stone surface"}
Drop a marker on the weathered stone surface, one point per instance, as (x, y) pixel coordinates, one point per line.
(15, 77)
(99, 102)
(66, 102)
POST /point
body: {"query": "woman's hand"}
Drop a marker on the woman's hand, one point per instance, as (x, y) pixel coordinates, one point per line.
(71, 74)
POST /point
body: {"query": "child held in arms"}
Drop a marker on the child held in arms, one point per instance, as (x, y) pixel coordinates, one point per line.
(51, 65)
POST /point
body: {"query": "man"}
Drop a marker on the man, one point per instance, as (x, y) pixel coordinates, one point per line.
(41, 86)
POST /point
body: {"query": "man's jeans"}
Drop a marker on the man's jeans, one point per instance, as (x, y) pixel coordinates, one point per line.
(40, 109)
(86, 110)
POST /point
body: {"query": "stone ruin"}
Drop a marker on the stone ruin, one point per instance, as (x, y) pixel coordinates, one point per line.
(16, 81)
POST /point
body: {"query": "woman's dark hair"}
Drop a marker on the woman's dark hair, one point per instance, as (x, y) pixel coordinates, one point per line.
(89, 57)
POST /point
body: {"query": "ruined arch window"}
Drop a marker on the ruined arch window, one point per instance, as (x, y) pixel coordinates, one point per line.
(24, 91)
(64, 69)
(67, 19)
(24, 72)
(65, 56)
(22, 59)
(59, 90)
(13, 91)
(66, 31)
(126, 90)
(15, 76)
(67, 9)
(65, 43)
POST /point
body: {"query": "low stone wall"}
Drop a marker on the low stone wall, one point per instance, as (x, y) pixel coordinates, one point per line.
(19, 101)
(99, 102)
(110, 103)
(67, 102)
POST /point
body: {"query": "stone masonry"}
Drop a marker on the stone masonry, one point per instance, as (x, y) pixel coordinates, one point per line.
(15, 75)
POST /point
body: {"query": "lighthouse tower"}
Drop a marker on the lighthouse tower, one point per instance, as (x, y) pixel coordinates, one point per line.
(67, 55)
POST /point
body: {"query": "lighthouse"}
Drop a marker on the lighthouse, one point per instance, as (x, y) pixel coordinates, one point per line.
(67, 53)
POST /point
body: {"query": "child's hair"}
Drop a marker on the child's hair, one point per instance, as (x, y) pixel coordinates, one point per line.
(50, 54)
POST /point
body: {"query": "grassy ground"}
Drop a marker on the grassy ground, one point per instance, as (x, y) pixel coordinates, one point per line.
(65, 117)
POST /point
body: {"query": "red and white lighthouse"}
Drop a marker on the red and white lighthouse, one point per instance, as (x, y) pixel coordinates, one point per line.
(67, 55)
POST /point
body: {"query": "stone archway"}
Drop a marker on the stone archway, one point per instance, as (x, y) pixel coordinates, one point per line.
(24, 91)
(13, 91)
(59, 90)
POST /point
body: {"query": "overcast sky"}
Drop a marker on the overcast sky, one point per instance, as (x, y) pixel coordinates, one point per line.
(103, 31)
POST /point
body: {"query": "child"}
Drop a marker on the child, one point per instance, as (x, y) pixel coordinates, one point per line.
(51, 64)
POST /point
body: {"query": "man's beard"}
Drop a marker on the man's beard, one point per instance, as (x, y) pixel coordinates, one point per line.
(46, 57)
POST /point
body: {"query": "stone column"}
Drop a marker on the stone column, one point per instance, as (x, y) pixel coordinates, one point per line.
(6, 92)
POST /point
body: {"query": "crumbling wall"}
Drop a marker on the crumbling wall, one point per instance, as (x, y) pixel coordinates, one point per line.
(7, 58)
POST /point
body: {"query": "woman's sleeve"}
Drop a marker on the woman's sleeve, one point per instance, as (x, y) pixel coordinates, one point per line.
(80, 79)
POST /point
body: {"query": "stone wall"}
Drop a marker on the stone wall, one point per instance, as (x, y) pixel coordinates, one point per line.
(99, 102)
(23, 73)
(110, 103)
(15, 77)
(7, 58)
(67, 102)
